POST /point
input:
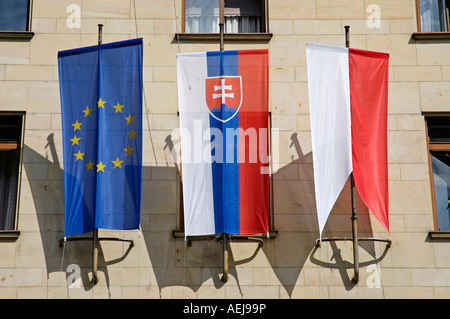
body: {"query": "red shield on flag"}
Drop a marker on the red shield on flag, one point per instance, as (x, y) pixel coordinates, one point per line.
(224, 96)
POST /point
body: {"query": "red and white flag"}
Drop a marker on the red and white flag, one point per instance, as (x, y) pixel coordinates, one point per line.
(348, 92)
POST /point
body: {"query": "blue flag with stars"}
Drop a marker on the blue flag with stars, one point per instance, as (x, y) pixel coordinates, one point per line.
(101, 112)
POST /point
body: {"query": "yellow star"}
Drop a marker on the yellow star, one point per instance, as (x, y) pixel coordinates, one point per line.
(90, 165)
(101, 167)
(132, 134)
(101, 103)
(117, 163)
(128, 150)
(79, 155)
(77, 126)
(130, 119)
(75, 140)
(118, 107)
(87, 111)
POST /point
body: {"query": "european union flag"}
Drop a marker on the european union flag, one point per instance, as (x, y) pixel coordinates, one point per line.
(101, 111)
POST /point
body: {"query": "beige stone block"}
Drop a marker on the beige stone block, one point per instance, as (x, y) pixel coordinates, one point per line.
(155, 9)
(38, 121)
(442, 292)
(106, 9)
(45, 47)
(441, 255)
(165, 74)
(285, 123)
(29, 72)
(43, 25)
(409, 250)
(160, 199)
(166, 26)
(404, 98)
(401, 52)
(21, 277)
(414, 172)
(2, 72)
(43, 97)
(365, 26)
(432, 53)
(289, 50)
(8, 292)
(403, 147)
(430, 277)
(289, 98)
(410, 123)
(303, 123)
(403, 26)
(408, 293)
(409, 197)
(14, 95)
(417, 73)
(340, 9)
(400, 9)
(8, 255)
(164, 121)
(120, 26)
(159, 50)
(58, 8)
(418, 223)
(280, 74)
(318, 27)
(15, 53)
(446, 73)
(356, 41)
(290, 9)
(435, 96)
(394, 172)
(281, 27)
(87, 26)
(161, 97)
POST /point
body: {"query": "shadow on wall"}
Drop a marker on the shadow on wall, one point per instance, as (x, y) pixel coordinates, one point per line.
(164, 261)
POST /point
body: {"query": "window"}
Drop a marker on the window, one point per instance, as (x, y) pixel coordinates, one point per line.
(240, 16)
(14, 15)
(439, 161)
(434, 15)
(10, 158)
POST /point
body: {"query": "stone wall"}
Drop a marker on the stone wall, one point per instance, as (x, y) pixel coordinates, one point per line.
(288, 266)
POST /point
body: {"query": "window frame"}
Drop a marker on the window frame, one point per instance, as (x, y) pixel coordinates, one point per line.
(436, 233)
(419, 35)
(263, 36)
(12, 145)
(21, 35)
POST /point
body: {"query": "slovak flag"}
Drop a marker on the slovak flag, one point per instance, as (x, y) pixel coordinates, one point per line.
(223, 100)
(348, 97)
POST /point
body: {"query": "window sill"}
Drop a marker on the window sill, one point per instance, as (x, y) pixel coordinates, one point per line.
(431, 35)
(16, 35)
(445, 235)
(6, 235)
(228, 37)
(180, 234)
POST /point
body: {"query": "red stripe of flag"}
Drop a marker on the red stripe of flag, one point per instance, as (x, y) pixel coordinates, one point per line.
(369, 109)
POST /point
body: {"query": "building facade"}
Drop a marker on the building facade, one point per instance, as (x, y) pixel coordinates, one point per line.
(35, 263)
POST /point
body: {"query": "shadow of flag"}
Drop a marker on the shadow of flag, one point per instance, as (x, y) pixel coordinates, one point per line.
(101, 112)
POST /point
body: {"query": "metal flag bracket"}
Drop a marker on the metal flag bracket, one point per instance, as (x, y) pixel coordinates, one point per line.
(354, 218)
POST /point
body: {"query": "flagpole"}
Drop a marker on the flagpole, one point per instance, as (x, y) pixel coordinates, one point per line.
(224, 235)
(95, 232)
(354, 218)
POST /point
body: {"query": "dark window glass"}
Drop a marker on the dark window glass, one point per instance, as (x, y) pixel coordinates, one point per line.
(10, 140)
(441, 179)
(13, 15)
